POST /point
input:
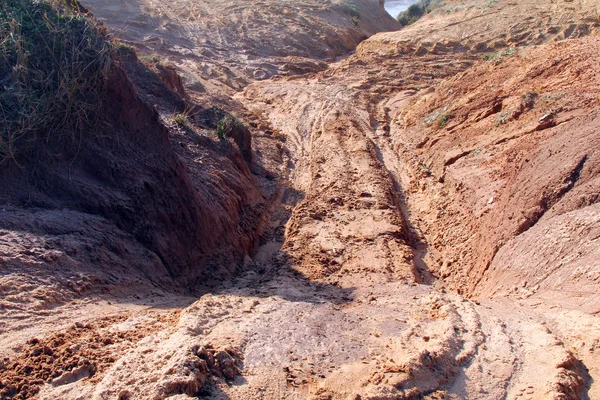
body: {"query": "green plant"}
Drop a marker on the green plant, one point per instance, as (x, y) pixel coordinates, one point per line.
(440, 115)
(222, 129)
(498, 56)
(350, 9)
(444, 119)
(417, 10)
(226, 125)
(488, 4)
(149, 58)
(185, 119)
(124, 50)
(53, 66)
(181, 119)
(503, 118)
(529, 99)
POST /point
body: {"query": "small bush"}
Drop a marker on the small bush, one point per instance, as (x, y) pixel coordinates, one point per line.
(417, 10)
(503, 118)
(351, 10)
(443, 120)
(226, 125)
(488, 4)
(53, 66)
(150, 58)
(181, 119)
(529, 99)
(221, 129)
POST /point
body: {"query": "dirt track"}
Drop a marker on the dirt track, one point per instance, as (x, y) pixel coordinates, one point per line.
(429, 221)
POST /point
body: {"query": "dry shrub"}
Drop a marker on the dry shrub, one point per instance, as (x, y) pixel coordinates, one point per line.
(53, 66)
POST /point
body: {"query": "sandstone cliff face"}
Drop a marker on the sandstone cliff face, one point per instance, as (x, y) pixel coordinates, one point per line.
(512, 145)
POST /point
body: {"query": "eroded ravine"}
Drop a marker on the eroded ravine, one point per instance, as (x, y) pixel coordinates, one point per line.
(391, 181)
(495, 357)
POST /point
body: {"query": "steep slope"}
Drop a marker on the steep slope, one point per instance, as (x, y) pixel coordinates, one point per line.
(517, 150)
(86, 212)
(222, 46)
(479, 27)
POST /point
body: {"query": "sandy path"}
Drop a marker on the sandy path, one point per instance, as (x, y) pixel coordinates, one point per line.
(370, 278)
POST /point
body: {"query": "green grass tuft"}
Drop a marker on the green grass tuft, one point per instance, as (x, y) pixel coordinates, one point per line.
(125, 50)
(443, 120)
(226, 125)
(181, 119)
(498, 56)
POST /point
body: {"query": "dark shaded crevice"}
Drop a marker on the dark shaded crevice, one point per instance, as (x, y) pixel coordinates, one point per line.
(584, 373)
(549, 200)
(419, 247)
(457, 157)
(578, 380)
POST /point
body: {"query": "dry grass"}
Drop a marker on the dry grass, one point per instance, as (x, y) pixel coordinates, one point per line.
(53, 66)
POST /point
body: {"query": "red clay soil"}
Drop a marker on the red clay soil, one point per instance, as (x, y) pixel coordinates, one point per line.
(417, 220)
